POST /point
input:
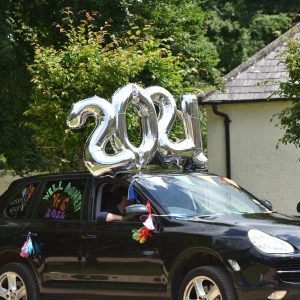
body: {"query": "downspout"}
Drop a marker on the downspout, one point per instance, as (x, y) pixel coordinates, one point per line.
(227, 137)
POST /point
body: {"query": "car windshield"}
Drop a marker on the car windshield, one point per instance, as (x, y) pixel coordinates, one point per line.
(198, 195)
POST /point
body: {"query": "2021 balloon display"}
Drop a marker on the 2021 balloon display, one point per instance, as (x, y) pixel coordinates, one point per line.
(111, 127)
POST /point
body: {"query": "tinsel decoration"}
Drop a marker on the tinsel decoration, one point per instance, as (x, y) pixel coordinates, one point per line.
(142, 234)
(28, 248)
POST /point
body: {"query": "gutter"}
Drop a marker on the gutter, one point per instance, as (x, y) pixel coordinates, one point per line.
(227, 137)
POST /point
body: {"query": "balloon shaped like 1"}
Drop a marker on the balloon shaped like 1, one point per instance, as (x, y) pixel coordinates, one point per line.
(166, 118)
(189, 105)
(132, 93)
(96, 159)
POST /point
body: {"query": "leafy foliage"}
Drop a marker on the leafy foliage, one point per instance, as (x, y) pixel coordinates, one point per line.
(30, 22)
(290, 117)
(15, 140)
(181, 25)
(240, 28)
(90, 62)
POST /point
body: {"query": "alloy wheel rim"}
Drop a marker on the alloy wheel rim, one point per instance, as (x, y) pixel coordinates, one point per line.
(12, 287)
(202, 288)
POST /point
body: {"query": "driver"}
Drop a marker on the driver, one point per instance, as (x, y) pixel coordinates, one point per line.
(118, 204)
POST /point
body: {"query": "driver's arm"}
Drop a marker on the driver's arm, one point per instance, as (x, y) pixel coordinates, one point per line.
(112, 217)
(105, 216)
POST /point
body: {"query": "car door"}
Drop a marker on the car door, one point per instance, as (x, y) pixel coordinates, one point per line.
(114, 263)
(56, 229)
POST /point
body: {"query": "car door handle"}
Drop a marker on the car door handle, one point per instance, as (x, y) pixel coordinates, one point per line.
(89, 236)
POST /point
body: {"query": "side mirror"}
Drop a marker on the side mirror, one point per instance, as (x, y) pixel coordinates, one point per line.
(298, 207)
(267, 203)
(133, 211)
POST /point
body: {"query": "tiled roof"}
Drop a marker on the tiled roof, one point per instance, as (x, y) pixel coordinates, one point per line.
(259, 77)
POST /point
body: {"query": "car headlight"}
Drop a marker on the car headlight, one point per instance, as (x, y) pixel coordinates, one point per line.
(268, 244)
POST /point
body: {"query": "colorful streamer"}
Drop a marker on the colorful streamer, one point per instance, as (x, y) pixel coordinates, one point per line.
(142, 234)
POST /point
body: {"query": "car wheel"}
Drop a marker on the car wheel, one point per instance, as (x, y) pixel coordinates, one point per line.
(18, 283)
(210, 283)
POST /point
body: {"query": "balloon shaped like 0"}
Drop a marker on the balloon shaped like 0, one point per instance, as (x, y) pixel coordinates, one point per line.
(96, 159)
(166, 118)
(143, 105)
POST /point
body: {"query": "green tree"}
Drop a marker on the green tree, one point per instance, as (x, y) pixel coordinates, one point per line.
(90, 62)
(195, 32)
(16, 145)
(181, 24)
(290, 116)
(240, 28)
(25, 23)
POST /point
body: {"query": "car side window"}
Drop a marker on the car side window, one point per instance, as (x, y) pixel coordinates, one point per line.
(111, 198)
(20, 202)
(104, 196)
(61, 200)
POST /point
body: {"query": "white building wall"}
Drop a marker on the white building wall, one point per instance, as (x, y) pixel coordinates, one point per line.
(256, 164)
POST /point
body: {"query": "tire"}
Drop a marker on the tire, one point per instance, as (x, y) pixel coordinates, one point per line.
(209, 282)
(17, 282)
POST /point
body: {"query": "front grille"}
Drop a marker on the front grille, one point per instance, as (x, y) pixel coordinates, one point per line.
(289, 271)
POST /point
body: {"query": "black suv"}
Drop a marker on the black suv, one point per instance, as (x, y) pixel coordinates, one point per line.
(211, 240)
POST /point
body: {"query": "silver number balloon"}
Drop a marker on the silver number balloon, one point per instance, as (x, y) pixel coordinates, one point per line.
(166, 118)
(95, 158)
(189, 106)
(144, 107)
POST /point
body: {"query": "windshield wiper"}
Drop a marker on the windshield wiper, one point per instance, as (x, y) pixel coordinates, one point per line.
(195, 218)
(203, 216)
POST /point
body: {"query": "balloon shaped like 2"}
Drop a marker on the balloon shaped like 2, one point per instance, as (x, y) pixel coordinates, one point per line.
(166, 118)
(96, 159)
(132, 93)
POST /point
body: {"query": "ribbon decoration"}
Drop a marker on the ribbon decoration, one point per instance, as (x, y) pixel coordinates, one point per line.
(142, 234)
(132, 194)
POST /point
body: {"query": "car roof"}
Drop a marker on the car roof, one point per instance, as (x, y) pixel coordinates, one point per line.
(127, 176)
(123, 175)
